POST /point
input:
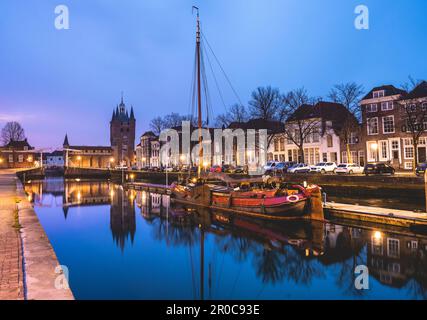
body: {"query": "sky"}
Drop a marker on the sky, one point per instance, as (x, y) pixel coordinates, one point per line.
(68, 81)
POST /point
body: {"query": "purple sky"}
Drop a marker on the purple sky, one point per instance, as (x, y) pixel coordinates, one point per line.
(55, 82)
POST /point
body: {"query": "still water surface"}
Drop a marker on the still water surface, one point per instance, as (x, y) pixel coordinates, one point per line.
(133, 245)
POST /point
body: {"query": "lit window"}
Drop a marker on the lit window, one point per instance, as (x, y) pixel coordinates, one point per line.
(372, 126)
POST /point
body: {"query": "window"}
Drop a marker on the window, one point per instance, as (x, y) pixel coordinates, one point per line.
(330, 141)
(408, 148)
(11, 158)
(393, 248)
(408, 165)
(282, 144)
(378, 94)
(395, 145)
(20, 158)
(316, 137)
(372, 126)
(411, 108)
(324, 157)
(388, 124)
(344, 157)
(386, 106)
(353, 138)
(276, 145)
(384, 150)
(424, 107)
(372, 107)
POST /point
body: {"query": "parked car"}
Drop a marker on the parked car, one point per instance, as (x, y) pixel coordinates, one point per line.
(299, 168)
(240, 169)
(421, 169)
(168, 169)
(274, 167)
(270, 165)
(349, 168)
(378, 168)
(121, 167)
(216, 168)
(324, 167)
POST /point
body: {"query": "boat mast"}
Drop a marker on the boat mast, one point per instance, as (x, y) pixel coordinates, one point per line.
(199, 94)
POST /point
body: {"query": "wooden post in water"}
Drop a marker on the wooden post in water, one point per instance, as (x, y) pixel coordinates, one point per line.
(316, 205)
(425, 187)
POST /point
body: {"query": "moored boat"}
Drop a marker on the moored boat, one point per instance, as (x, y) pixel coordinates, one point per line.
(289, 201)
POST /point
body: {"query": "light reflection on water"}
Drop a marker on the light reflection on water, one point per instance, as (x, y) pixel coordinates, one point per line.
(122, 244)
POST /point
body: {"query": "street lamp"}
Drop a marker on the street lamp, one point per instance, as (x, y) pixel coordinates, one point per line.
(79, 159)
(111, 162)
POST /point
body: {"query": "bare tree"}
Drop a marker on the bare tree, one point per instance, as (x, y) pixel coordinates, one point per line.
(348, 94)
(236, 113)
(265, 103)
(12, 131)
(415, 113)
(411, 84)
(157, 125)
(303, 121)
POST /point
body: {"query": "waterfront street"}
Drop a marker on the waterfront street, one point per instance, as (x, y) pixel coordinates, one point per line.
(29, 267)
(11, 276)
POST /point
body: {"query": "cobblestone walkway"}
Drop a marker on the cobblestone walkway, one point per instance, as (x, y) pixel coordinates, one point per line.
(11, 275)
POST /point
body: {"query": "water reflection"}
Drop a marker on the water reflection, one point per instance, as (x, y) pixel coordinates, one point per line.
(223, 248)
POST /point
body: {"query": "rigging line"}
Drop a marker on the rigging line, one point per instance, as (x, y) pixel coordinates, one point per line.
(222, 69)
(190, 106)
(235, 280)
(192, 270)
(205, 87)
(215, 78)
(193, 101)
(220, 271)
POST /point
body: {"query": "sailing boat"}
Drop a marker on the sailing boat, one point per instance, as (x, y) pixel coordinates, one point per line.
(278, 203)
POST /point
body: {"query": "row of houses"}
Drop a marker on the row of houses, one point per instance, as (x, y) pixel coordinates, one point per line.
(392, 129)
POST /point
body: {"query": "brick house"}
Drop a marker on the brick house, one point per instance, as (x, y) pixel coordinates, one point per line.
(322, 142)
(385, 125)
(17, 154)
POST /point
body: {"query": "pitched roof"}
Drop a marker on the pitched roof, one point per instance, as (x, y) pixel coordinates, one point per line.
(148, 134)
(91, 148)
(389, 90)
(420, 91)
(326, 111)
(271, 125)
(19, 145)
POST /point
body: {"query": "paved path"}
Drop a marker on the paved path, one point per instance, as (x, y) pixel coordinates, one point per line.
(40, 274)
(11, 274)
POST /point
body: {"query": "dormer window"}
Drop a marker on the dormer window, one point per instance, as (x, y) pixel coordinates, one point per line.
(378, 94)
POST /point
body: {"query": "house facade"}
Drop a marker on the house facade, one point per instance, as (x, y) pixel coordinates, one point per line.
(18, 154)
(387, 135)
(88, 156)
(321, 123)
(54, 159)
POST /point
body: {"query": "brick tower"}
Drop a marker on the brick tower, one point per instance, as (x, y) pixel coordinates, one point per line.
(122, 134)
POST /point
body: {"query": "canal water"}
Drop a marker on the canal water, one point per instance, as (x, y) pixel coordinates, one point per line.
(119, 244)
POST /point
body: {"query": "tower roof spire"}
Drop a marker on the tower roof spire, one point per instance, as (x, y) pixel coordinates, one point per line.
(66, 143)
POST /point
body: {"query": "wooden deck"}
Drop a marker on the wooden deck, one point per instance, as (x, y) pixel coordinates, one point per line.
(394, 217)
